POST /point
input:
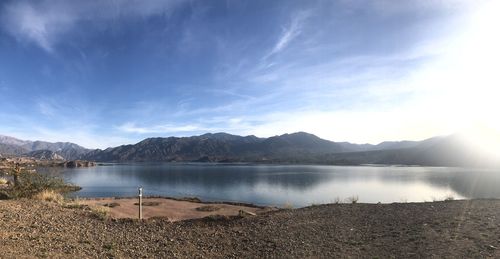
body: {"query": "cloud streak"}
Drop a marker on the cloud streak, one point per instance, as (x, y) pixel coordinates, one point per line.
(289, 33)
(130, 127)
(46, 22)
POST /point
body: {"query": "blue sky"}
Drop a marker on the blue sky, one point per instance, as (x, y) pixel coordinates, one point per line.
(105, 73)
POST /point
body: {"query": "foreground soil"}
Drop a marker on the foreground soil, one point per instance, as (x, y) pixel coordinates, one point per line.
(451, 229)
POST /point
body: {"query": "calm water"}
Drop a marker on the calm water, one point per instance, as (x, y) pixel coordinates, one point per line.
(298, 185)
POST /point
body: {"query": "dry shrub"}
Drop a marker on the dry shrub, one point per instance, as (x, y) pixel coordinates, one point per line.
(50, 196)
(3, 180)
(111, 205)
(352, 199)
(100, 212)
(288, 206)
(75, 204)
(449, 198)
(31, 184)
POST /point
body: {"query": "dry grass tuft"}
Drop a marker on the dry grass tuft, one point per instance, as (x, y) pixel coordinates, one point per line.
(288, 206)
(75, 204)
(3, 180)
(50, 196)
(449, 198)
(100, 212)
(352, 199)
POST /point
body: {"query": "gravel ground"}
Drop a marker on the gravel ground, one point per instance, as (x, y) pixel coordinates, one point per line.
(453, 229)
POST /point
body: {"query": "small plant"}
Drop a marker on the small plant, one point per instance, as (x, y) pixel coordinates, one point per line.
(112, 204)
(50, 196)
(3, 180)
(108, 246)
(288, 205)
(353, 199)
(337, 200)
(100, 212)
(75, 204)
(208, 208)
(449, 198)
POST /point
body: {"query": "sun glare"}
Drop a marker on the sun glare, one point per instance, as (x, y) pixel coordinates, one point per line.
(463, 85)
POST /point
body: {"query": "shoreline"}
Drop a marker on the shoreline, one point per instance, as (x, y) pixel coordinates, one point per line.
(190, 199)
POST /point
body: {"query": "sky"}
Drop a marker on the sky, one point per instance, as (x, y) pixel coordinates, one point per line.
(106, 73)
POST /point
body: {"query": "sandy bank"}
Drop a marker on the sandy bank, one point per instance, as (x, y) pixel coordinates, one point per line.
(173, 210)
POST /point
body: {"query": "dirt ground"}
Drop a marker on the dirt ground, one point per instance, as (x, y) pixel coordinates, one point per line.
(453, 229)
(173, 210)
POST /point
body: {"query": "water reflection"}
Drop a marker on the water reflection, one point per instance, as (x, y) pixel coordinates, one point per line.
(278, 184)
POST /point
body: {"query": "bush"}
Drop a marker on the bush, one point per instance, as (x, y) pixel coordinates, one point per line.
(353, 199)
(30, 184)
(49, 195)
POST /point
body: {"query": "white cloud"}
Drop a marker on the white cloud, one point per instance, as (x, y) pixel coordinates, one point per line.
(46, 22)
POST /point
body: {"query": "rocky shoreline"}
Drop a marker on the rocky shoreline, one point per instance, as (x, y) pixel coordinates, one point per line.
(453, 229)
(32, 163)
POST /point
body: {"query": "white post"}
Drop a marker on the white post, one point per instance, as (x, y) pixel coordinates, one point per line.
(140, 202)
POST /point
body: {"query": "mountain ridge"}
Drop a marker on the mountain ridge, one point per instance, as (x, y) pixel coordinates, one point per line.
(65, 150)
(298, 147)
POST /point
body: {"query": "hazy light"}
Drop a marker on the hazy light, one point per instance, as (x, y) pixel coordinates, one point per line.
(460, 90)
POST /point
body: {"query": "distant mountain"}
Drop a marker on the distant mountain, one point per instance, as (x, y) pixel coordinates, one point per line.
(439, 151)
(8, 149)
(220, 147)
(298, 147)
(395, 145)
(45, 155)
(66, 150)
(12, 141)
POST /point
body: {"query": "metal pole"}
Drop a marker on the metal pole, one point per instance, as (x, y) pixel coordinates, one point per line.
(140, 202)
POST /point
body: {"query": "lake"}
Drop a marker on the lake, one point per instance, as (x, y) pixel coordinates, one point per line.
(285, 185)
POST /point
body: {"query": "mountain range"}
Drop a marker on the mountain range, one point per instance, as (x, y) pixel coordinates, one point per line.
(297, 147)
(41, 149)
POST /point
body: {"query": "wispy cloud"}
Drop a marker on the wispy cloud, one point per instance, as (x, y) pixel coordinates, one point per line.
(130, 127)
(45, 22)
(289, 33)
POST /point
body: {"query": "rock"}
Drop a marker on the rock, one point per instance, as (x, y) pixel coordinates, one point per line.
(78, 163)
